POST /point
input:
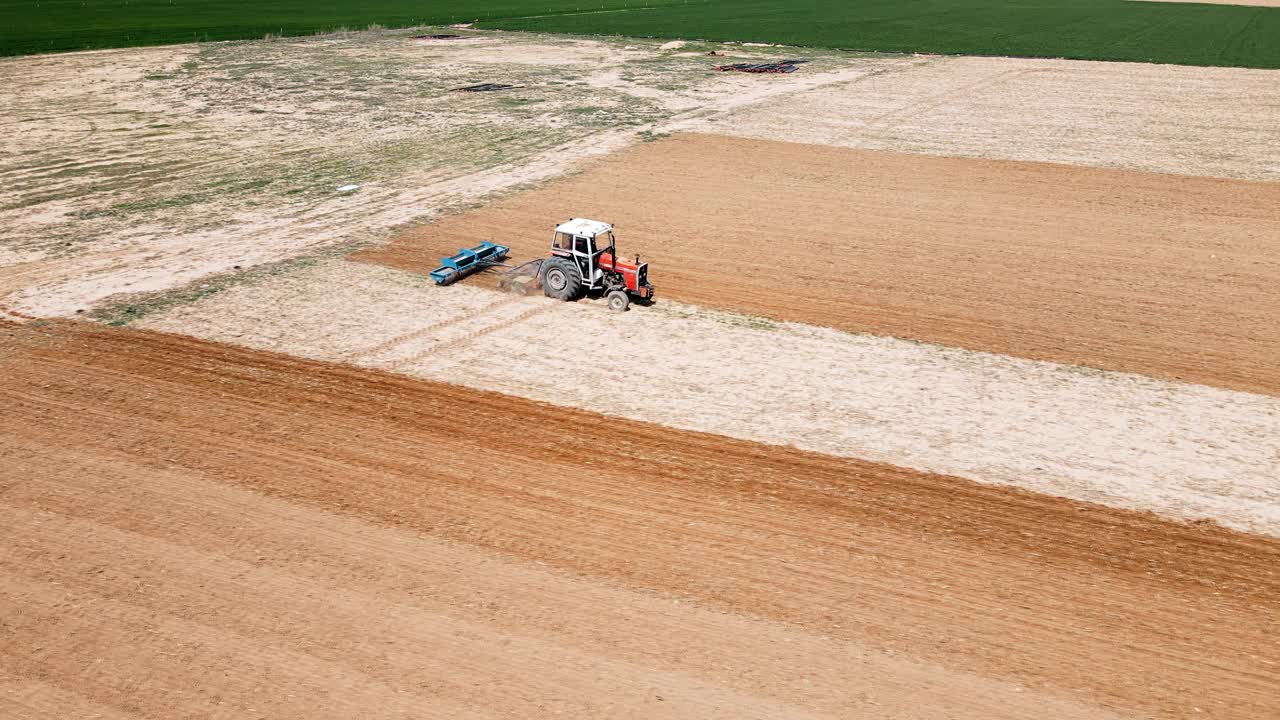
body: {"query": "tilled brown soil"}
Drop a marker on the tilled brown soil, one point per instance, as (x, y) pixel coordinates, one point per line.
(196, 530)
(1164, 275)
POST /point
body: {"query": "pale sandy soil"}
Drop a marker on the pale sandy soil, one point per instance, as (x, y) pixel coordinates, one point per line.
(198, 530)
(1163, 118)
(1183, 450)
(144, 169)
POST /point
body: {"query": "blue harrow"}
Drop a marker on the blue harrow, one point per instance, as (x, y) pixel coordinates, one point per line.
(467, 261)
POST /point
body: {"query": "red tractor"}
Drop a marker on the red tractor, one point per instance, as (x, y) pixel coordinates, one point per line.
(583, 259)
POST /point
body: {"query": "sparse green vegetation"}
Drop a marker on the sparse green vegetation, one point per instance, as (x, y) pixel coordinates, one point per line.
(137, 306)
(155, 203)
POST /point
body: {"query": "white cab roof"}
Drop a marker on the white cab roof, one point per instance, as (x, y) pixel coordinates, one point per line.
(584, 227)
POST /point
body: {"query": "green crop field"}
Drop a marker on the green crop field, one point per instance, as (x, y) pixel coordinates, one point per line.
(1188, 34)
(37, 26)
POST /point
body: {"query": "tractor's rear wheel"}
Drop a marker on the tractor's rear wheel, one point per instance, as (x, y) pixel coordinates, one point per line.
(561, 279)
(618, 301)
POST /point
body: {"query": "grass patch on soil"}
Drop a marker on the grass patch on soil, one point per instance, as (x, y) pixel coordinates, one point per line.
(1179, 33)
(146, 205)
(125, 310)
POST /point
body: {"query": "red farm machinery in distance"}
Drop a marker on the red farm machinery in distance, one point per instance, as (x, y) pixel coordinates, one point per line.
(583, 261)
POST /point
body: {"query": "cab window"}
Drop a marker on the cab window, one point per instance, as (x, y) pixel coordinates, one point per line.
(582, 245)
(563, 241)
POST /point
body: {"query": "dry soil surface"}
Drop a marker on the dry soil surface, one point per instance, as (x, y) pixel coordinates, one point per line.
(1162, 118)
(197, 530)
(1184, 450)
(1169, 276)
(140, 170)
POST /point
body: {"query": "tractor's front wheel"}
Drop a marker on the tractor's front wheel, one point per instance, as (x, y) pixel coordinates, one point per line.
(561, 279)
(618, 301)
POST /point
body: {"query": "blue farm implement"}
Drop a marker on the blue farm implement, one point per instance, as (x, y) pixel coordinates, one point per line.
(469, 260)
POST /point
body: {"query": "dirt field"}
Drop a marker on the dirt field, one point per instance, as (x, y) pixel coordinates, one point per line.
(199, 530)
(1187, 451)
(1161, 275)
(140, 170)
(787, 506)
(1187, 120)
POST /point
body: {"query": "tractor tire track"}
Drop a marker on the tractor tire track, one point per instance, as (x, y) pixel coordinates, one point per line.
(381, 348)
(20, 316)
(952, 94)
(452, 343)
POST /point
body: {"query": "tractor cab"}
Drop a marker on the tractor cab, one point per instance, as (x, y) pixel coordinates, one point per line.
(584, 258)
(583, 241)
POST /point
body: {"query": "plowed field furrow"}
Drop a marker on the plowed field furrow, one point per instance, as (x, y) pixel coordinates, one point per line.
(418, 617)
(1163, 275)
(205, 586)
(455, 342)
(24, 698)
(138, 441)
